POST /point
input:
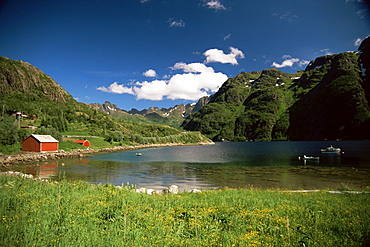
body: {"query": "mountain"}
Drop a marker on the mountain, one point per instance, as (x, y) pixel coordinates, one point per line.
(335, 108)
(172, 116)
(201, 102)
(108, 108)
(31, 98)
(19, 76)
(328, 100)
(364, 61)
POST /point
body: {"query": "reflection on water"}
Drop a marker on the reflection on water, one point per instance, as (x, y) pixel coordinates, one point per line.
(258, 164)
(45, 171)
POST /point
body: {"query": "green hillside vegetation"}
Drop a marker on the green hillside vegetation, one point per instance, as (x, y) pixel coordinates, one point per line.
(53, 111)
(246, 107)
(337, 105)
(325, 101)
(154, 118)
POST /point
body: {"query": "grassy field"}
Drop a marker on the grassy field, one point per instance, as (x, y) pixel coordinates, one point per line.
(35, 213)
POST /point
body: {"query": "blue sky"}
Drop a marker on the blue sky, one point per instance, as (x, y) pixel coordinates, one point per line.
(143, 53)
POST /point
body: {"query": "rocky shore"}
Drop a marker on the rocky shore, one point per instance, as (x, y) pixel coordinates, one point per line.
(24, 157)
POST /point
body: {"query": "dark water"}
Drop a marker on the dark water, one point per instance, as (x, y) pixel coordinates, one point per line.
(246, 164)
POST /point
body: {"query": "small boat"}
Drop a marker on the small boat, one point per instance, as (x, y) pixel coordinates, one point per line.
(330, 150)
(138, 154)
(310, 157)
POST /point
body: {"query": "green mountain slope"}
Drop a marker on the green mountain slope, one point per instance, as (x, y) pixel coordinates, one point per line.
(336, 108)
(45, 105)
(326, 101)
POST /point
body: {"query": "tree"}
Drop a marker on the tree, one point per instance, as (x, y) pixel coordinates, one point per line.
(9, 135)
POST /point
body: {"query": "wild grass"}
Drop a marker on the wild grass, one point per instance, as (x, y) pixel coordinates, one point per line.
(66, 213)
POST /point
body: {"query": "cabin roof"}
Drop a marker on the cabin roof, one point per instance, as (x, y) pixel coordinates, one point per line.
(44, 138)
(81, 141)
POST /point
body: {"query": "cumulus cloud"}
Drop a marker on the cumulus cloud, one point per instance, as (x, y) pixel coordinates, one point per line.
(154, 90)
(176, 23)
(196, 81)
(215, 55)
(192, 67)
(150, 73)
(289, 62)
(116, 88)
(214, 4)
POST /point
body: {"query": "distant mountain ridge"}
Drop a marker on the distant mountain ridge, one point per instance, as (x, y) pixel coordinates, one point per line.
(172, 116)
(329, 100)
(108, 108)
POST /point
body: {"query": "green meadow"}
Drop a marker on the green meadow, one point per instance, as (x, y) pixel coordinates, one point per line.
(76, 213)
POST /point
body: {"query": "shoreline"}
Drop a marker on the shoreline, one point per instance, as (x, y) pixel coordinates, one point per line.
(6, 161)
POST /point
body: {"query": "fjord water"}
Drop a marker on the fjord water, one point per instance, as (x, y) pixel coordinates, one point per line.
(232, 164)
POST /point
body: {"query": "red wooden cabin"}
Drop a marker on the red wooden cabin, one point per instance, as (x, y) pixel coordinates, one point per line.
(85, 143)
(40, 143)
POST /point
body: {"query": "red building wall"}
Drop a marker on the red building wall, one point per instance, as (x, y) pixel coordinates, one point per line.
(86, 144)
(49, 146)
(33, 145)
(30, 144)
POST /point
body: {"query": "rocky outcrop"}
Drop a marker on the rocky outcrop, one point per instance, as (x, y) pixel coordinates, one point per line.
(108, 108)
(19, 76)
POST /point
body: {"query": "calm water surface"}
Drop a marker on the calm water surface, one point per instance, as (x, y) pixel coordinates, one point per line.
(232, 164)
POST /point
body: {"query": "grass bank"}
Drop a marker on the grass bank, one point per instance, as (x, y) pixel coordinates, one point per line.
(35, 213)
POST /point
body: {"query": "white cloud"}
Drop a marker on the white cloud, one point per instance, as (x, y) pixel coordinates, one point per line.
(154, 90)
(191, 86)
(326, 52)
(115, 88)
(193, 67)
(150, 73)
(215, 55)
(176, 23)
(358, 42)
(215, 4)
(303, 63)
(289, 62)
(197, 81)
